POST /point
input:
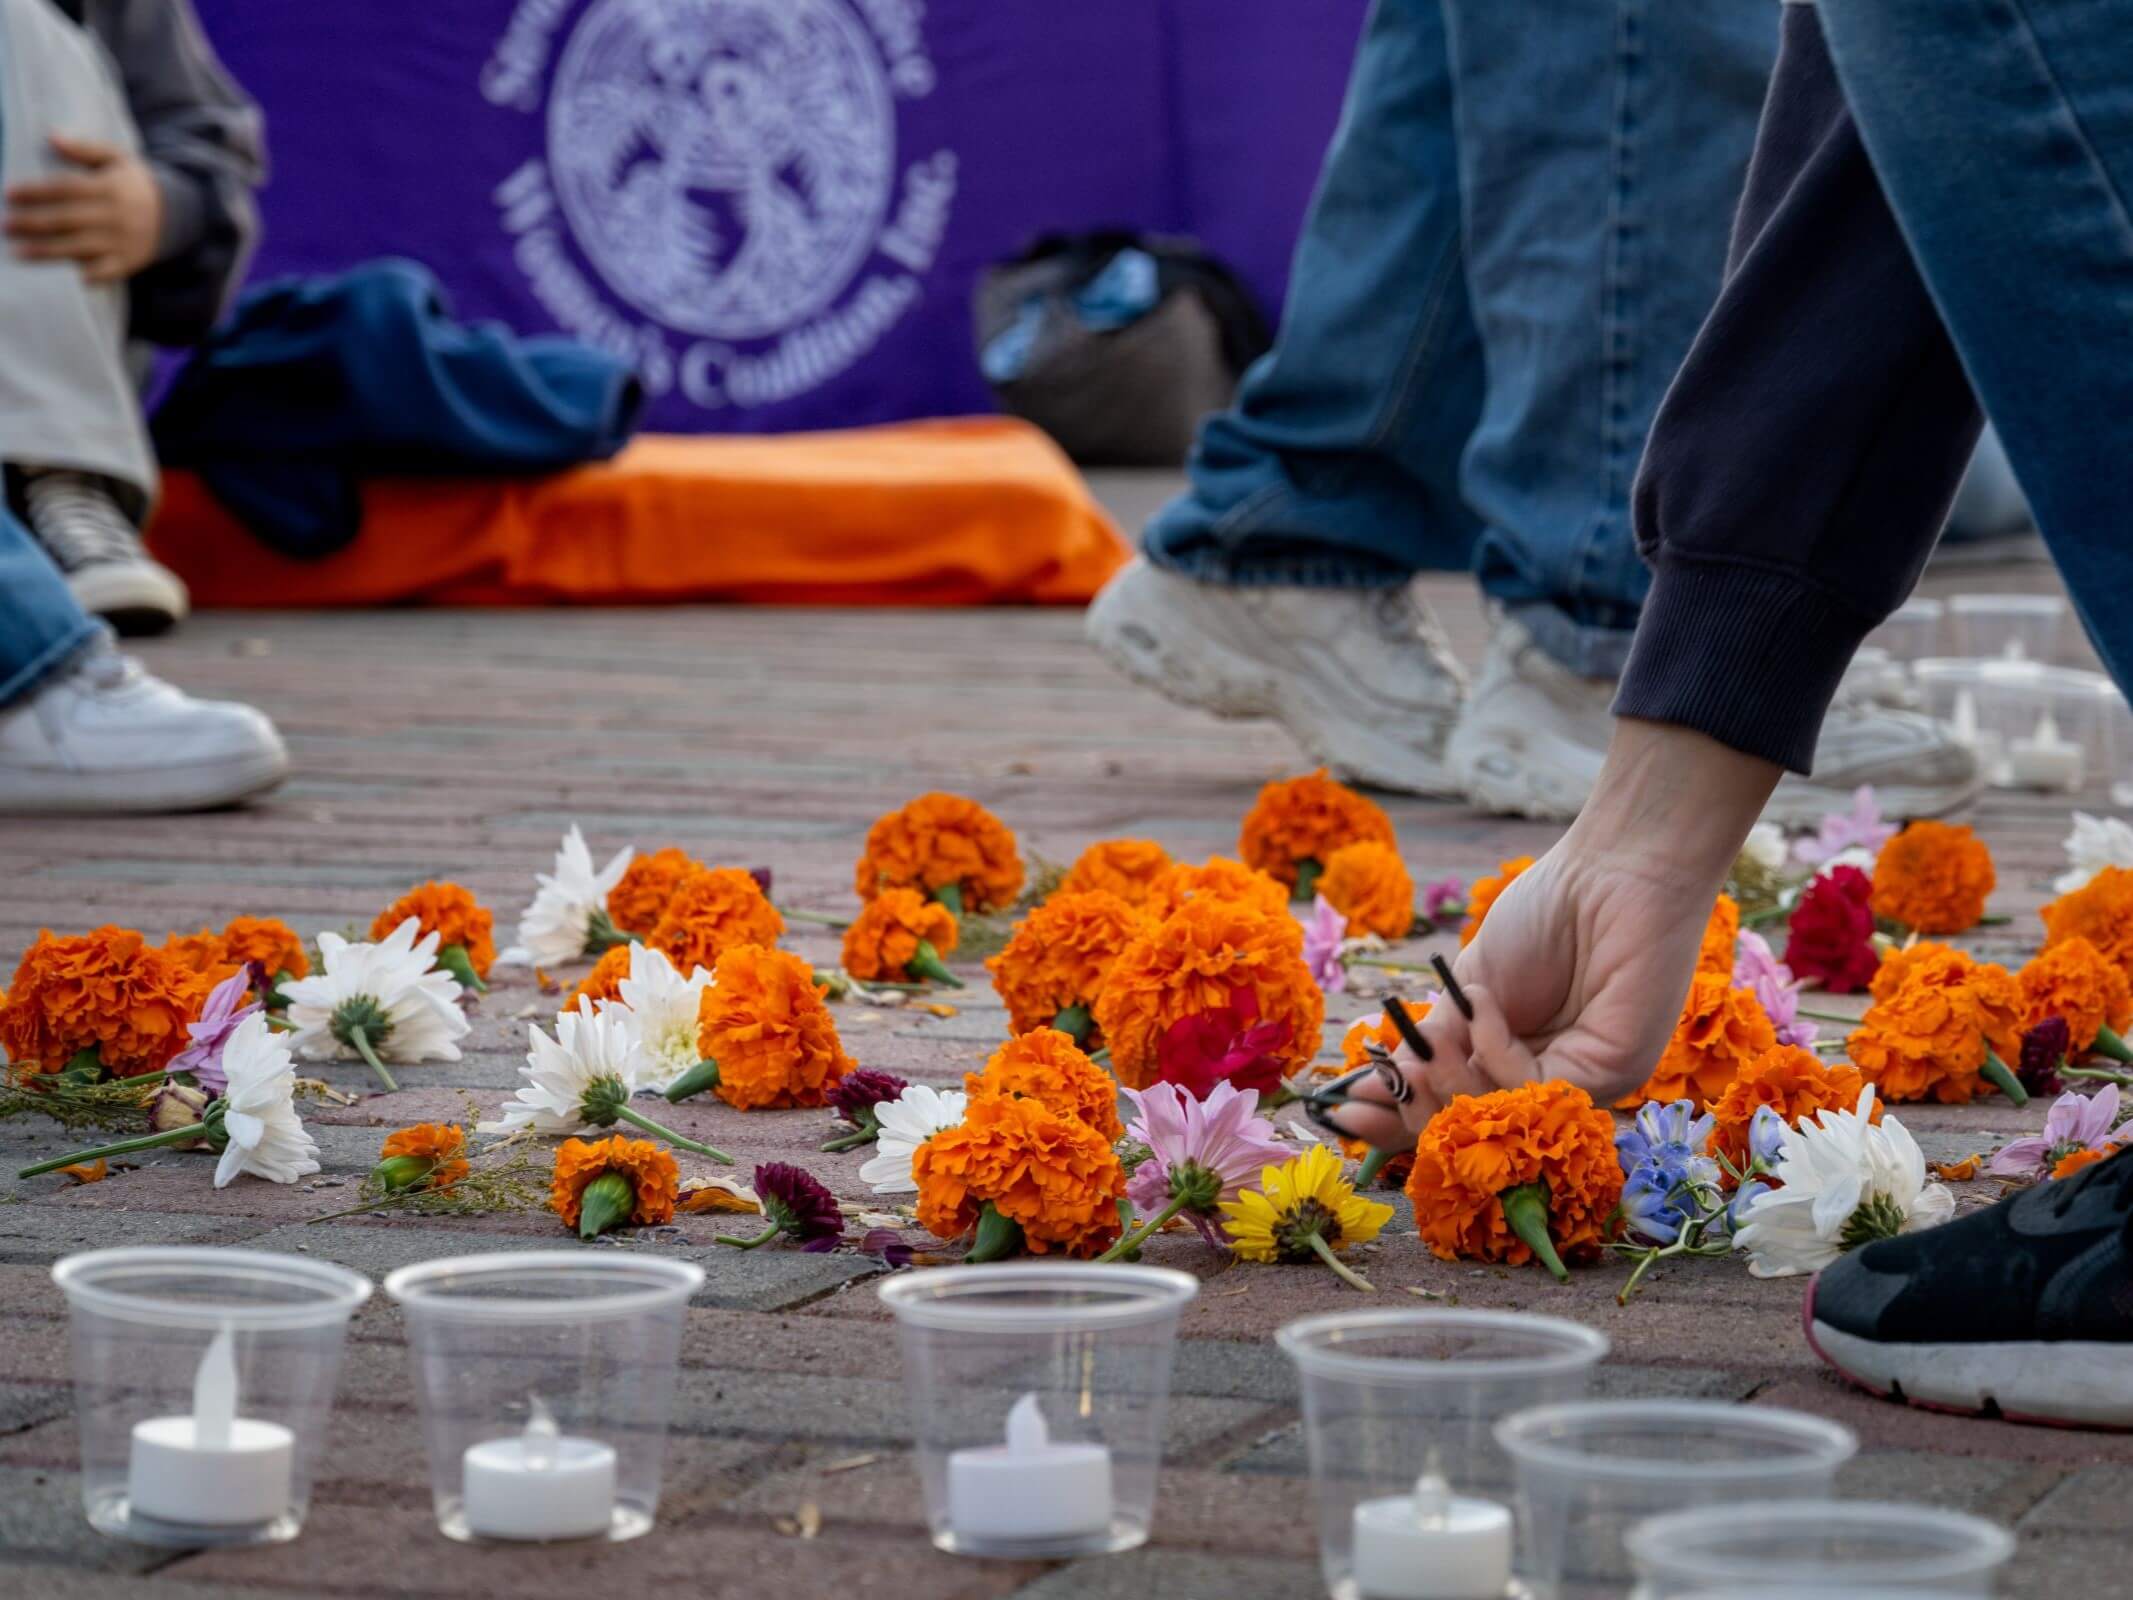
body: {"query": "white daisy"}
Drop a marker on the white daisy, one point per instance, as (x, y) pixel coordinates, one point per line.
(659, 1007)
(266, 1136)
(558, 925)
(388, 1001)
(907, 1122)
(1846, 1183)
(570, 1079)
(2095, 843)
(1765, 847)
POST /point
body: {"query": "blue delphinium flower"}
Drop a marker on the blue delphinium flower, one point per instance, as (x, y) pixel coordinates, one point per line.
(1658, 1125)
(1766, 1136)
(1670, 1187)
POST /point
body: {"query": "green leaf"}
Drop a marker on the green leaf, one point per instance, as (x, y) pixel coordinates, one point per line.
(607, 1203)
(997, 1237)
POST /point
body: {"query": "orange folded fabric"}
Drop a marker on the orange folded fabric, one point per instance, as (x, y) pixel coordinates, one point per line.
(965, 511)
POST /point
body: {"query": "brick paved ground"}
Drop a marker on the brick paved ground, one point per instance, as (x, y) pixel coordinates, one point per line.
(463, 745)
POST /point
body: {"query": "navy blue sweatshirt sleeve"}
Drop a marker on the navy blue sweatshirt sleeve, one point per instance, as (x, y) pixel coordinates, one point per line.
(1806, 455)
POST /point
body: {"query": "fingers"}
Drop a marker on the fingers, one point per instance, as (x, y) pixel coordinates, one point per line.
(1499, 1058)
(106, 268)
(91, 153)
(57, 219)
(56, 192)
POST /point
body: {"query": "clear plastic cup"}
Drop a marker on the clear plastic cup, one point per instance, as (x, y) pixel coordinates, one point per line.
(1589, 1472)
(546, 1379)
(1037, 1400)
(1389, 1395)
(203, 1380)
(2020, 627)
(1912, 631)
(1820, 1547)
(2033, 726)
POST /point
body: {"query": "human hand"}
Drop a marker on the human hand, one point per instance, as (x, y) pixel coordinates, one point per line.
(108, 216)
(1580, 969)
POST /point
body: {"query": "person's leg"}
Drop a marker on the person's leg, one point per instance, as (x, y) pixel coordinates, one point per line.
(2002, 131)
(42, 629)
(71, 430)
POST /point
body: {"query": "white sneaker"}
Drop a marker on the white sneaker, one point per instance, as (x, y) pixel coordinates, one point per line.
(1534, 735)
(106, 736)
(91, 539)
(1361, 678)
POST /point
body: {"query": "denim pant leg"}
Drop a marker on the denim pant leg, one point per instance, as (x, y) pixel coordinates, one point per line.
(2002, 131)
(1602, 147)
(1338, 463)
(41, 626)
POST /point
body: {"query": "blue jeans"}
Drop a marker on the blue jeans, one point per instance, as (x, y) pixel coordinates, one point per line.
(41, 626)
(1519, 228)
(2002, 132)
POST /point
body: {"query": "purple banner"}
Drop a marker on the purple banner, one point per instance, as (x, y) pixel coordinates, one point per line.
(777, 208)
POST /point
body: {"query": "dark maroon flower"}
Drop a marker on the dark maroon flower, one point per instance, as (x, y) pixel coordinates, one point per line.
(762, 879)
(855, 1095)
(890, 1245)
(1232, 1045)
(2044, 1050)
(1832, 932)
(797, 1206)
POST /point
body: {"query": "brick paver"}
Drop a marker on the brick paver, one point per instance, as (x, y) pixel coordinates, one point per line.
(445, 743)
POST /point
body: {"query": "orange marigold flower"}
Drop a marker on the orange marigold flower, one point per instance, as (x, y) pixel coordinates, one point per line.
(882, 939)
(1479, 1146)
(1365, 1030)
(1721, 937)
(713, 911)
(1933, 876)
(1483, 895)
(1217, 878)
(651, 1171)
(763, 1021)
(1721, 1029)
(1060, 955)
(1901, 961)
(1054, 1175)
(269, 941)
(1368, 883)
(1794, 1083)
(1927, 1039)
(604, 982)
(1127, 868)
(1295, 820)
(202, 952)
(639, 898)
(942, 841)
(2101, 911)
(1195, 962)
(451, 913)
(442, 1144)
(109, 989)
(2071, 1163)
(2072, 979)
(1047, 1065)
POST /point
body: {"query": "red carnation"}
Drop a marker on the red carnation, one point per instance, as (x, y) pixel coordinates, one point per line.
(1832, 932)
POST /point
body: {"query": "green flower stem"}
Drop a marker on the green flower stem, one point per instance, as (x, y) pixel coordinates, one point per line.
(1764, 917)
(125, 1147)
(1525, 1208)
(1346, 1273)
(2109, 1043)
(1649, 1259)
(1130, 1242)
(997, 1237)
(926, 963)
(819, 919)
(606, 1203)
(1075, 1022)
(852, 1140)
(1101, 1057)
(2099, 1075)
(1387, 966)
(361, 1041)
(280, 1024)
(637, 1119)
(1997, 1073)
(455, 960)
(889, 985)
(702, 1076)
(757, 1242)
(601, 934)
(1830, 1016)
(951, 896)
(1373, 1164)
(1308, 872)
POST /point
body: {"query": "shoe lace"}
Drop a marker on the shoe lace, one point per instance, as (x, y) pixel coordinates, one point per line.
(77, 521)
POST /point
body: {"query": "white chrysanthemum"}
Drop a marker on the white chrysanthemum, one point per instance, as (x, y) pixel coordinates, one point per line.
(588, 1047)
(1846, 1183)
(266, 1136)
(2095, 843)
(552, 933)
(406, 1005)
(659, 1007)
(1765, 846)
(907, 1122)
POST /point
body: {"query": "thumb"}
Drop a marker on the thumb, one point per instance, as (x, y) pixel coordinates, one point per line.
(89, 153)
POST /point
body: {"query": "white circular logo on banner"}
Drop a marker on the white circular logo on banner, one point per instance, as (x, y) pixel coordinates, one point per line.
(725, 165)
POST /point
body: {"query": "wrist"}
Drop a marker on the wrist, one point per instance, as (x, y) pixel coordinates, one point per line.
(1672, 803)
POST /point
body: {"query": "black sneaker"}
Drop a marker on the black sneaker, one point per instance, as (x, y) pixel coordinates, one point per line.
(2023, 1310)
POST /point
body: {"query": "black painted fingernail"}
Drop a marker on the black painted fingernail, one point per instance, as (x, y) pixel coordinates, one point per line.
(1405, 1025)
(1451, 987)
(1322, 1117)
(1396, 1085)
(1336, 1092)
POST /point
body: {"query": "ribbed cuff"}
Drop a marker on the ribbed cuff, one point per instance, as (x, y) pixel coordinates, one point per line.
(184, 212)
(1748, 655)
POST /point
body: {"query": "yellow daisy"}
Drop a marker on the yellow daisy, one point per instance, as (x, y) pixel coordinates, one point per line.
(1303, 1208)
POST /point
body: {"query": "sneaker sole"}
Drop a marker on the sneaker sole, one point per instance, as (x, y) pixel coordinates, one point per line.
(2056, 1384)
(1215, 678)
(137, 598)
(166, 789)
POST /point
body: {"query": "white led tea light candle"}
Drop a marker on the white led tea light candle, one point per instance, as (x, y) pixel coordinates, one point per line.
(1432, 1545)
(213, 1468)
(1030, 1487)
(540, 1485)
